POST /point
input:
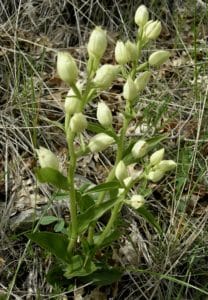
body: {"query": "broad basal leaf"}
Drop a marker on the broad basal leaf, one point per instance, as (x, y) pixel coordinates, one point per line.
(77, 267)
(46, 220)
(104, 276)
(55, 243)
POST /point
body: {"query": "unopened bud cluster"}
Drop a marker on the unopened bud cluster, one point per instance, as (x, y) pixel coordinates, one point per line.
(149, 29)
(159, 166)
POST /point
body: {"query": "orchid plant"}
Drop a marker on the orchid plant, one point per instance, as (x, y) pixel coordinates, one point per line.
(80, 248)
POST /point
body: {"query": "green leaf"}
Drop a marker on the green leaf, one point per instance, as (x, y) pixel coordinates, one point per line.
(84, 201)
(52, 176)
(114, 235)
(92, 214)
(55, 243)
(152, 142)
(46, 220)
(77, 267)
(97, 128)
(104, 276)
(107, 186)
(149, 217)
(60, 195)
(128, 147)
(3, 296)
(55, 277)
(59, 226)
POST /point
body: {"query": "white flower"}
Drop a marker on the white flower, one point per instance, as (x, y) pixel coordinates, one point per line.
(67, 68)
(122, 55)
(159, 57)
(127, 181)
(136, 201)
(100, 142)
(72, 103)
(121, 171)
(139, 149)
(166, 165)
(132, 50)
(78, 123)
(141, 15)
(97, 43)
(129, 90)
(157, 156)
(155, 176)
(142, 80)
(152, 30)
(104, 114)
(47, 159)
(105, 76)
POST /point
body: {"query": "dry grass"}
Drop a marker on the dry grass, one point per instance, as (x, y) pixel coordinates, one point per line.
(173, 266)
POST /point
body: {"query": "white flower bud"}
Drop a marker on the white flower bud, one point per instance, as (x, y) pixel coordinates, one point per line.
(122, 54)
(129, 90)
(78, 123)
(97, 43)
(67, 68)
(104, 114)
(72, 103)
(121, 171)
(47, 159)
(141, 15)
(157, 156)
(137, 201)
(139, 149)
(132, 50)
(142, 80)
(120, 191)
(152, 30)
(155, 176)
(105, 76)
(159, 57)
(166, 165)
(148, 24)
(127, 181)
(100, 142)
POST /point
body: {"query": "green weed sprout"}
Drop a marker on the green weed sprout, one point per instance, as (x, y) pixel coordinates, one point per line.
(80, 250)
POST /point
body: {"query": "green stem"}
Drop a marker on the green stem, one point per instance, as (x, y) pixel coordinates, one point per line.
(119, 155)
(72, 195)
(76, 91)
(111, 175)
(110, 224)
